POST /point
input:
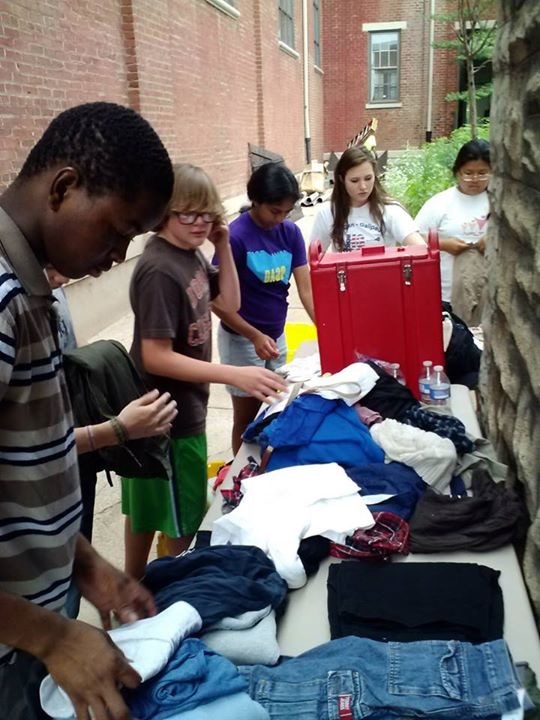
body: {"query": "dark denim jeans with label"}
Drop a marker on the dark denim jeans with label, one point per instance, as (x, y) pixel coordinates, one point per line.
(353, 678)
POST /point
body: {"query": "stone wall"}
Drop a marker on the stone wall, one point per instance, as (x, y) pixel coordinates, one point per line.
(510, 385)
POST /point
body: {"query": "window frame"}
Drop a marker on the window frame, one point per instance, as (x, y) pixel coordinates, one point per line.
(317, 55)
(382, 68)
(287, 28)
(226, 6)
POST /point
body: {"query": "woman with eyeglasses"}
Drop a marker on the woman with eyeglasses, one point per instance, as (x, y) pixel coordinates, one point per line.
(268, 249)
(172, 289)
(460, 215)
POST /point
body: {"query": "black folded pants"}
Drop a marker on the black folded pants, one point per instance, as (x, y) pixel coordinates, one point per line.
(405, 602)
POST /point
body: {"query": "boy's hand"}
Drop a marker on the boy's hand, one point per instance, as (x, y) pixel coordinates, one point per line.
(263, 384)
(219, 234)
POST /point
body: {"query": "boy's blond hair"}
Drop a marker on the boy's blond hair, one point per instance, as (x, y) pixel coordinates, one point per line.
(193, 191)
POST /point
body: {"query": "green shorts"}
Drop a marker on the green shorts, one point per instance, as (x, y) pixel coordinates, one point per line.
(176, 507)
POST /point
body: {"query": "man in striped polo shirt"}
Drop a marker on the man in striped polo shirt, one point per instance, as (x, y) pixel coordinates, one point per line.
(98, 176)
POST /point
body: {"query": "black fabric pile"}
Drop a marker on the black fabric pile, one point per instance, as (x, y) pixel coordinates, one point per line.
(389, 397)
(486, 521)
(405, 602)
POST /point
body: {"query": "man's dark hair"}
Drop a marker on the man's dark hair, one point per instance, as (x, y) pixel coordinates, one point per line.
(114, 149)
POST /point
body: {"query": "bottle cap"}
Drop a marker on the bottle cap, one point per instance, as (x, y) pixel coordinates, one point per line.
(438, 368)
(427, 363)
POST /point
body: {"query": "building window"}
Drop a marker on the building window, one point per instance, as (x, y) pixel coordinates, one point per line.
(317, 32)
(286, 22)
(384, 66)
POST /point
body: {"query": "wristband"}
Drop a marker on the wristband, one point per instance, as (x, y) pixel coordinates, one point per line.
(119, 430)
(91, 439)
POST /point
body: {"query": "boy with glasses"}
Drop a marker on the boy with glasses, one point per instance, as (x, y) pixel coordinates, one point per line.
(172, 290)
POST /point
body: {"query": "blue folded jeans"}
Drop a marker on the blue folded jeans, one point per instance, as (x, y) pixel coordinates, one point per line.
(353, 678)
(193, 676)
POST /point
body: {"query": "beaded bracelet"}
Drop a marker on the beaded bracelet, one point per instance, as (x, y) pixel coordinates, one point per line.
(91, 439)
(119, 430)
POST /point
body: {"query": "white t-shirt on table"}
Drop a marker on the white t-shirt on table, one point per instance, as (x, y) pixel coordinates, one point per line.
(362, 229)
(454, 214)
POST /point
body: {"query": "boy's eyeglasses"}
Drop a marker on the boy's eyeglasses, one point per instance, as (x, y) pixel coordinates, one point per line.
(469, 176)
(188, 218)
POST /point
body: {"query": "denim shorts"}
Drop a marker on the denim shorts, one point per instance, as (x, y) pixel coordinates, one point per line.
(354, 678)
(239, 351)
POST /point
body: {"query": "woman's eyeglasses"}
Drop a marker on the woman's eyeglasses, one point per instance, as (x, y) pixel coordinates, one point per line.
(470, 176)
(188, 218)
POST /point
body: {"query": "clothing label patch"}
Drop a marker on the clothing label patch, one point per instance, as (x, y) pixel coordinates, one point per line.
(345, 707)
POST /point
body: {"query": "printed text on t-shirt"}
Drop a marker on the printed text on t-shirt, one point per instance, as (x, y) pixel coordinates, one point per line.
(270, 267)
(198, 288)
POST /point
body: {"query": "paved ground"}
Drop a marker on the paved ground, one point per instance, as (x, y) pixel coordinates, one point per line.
(108, 519)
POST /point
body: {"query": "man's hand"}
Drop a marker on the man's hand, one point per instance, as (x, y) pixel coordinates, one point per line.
(263, 384)
(110, 590)
(90, 669)
(265, 347)
(152, 414)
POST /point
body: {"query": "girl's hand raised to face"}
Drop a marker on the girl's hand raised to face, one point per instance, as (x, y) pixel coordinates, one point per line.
(219, 234)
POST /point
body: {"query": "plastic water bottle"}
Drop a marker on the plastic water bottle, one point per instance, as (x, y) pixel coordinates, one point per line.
(439, 388)
(424, 381)
(395, 372)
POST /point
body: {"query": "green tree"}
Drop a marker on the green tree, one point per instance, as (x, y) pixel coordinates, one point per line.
(472, 31)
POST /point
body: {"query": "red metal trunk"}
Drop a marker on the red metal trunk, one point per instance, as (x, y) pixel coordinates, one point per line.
(381, 302)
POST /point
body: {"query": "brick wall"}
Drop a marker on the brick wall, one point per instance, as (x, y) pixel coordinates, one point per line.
(282, 87)
(208, 82)
(53, 55)
(346, 74)
(211, 83)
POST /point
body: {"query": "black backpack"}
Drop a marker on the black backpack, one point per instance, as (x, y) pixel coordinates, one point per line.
(462, 356)
(102, 380)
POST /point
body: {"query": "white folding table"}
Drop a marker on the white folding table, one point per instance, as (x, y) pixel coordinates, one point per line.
(304, 624)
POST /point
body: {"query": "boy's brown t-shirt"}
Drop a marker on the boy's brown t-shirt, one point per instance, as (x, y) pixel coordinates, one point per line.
(170, 294)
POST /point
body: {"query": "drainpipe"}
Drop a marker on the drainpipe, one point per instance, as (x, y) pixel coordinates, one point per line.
(429, 121)
(305, 40)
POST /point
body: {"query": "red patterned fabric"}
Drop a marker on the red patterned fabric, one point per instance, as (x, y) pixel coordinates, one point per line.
(389, 535)
(232, 496)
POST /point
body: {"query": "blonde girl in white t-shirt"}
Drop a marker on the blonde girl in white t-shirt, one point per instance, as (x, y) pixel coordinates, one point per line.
(360, 212)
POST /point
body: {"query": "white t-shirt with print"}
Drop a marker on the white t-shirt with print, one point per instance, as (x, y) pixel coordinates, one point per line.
(454, 214)
(362, 229)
